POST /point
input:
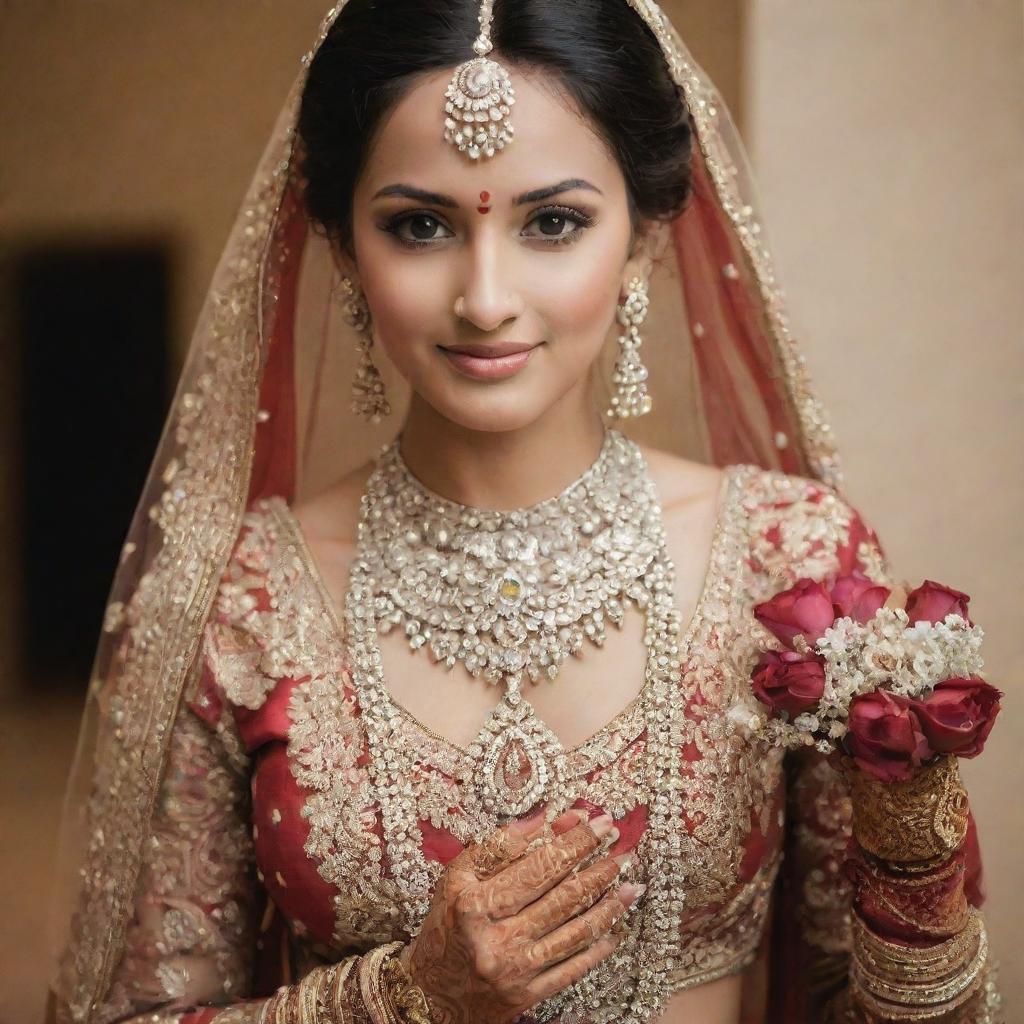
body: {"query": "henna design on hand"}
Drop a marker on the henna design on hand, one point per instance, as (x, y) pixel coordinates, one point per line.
(492, 947)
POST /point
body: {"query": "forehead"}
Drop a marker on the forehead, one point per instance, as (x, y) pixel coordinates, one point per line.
(553, 141)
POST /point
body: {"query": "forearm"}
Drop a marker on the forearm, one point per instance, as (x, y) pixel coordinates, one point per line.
(372, 988)
(920, 950)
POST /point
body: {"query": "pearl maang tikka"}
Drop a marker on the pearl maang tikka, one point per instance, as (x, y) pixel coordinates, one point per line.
(479, 98)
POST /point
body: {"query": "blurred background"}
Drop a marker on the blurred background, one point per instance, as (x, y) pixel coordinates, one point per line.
(886, 137)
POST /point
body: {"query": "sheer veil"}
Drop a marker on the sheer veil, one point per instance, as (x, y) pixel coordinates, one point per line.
(262, 408)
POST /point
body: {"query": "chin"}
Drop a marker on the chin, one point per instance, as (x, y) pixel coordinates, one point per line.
(493, 414)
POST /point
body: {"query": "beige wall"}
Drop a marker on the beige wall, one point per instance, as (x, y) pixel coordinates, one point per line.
(887, 138)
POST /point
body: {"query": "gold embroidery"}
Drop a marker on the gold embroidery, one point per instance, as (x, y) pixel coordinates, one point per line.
(195, 882)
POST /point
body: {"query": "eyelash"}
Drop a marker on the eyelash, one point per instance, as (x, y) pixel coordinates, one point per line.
(584, 220)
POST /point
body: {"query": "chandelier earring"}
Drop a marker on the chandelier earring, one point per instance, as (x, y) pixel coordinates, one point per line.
(368, 398)
(630, 376)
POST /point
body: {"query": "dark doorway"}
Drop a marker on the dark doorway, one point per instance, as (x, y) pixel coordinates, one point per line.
(92, 325)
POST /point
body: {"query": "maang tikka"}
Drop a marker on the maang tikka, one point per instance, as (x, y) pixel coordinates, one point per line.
(368, 398)
(630, 375)
(479, 99)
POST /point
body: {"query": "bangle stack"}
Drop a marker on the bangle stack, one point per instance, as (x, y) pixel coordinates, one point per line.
(898, 982)
(371, 989)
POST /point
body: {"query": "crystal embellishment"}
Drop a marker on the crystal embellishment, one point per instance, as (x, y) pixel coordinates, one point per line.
(516, 757)
(511, 594)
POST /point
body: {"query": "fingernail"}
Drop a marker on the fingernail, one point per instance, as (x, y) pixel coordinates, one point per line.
(577, 813)
(625, 861)
(630, 892)
(602, 825)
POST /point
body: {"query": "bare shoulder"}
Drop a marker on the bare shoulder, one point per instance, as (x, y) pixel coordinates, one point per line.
(682, 483)
(332, 516)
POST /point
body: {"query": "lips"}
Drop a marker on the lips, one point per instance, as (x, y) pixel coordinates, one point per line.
(466, 360)
(500, 348)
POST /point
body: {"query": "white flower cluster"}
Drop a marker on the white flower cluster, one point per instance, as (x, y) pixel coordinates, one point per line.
(885, 653)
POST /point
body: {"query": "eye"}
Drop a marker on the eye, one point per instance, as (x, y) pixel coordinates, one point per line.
(559, 225)
(554, 221)
(422, 226)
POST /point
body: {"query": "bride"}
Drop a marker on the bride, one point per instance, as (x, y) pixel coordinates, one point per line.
(412, 698)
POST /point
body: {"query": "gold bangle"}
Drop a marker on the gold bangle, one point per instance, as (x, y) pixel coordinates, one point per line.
(286, 1009)
(942, 988)
(886, 1011)
(930, 962)
(337, 999)
(305, 997)
(374, 995)
(922, 819)
(268, 1012)
(360, 1011)
(309, 996)
(408, 999)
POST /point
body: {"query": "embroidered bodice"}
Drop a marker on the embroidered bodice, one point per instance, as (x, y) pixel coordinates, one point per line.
(338, 856)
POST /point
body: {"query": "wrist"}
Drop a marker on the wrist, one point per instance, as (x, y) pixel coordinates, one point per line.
(923, 819)
(387, 989)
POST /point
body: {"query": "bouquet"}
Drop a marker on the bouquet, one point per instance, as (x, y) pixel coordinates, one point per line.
(887, 677)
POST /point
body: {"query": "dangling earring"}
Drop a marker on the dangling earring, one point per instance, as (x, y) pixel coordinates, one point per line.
(630, 376)
(368, 398)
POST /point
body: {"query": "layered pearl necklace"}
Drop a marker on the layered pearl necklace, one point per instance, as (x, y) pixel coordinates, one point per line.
(511, 595)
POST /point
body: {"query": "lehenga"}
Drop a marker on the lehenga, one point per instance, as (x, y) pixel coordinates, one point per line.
(227, 804)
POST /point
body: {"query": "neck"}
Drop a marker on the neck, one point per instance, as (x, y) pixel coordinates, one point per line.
(502, 470)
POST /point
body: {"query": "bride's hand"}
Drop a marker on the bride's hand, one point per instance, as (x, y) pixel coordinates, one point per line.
(499, 939)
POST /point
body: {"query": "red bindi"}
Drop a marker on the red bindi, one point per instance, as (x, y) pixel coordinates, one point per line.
(484, 199)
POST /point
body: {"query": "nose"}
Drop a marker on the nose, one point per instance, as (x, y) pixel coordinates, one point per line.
(487, 298)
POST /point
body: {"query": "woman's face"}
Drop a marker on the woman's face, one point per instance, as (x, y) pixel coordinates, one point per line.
(545, 271)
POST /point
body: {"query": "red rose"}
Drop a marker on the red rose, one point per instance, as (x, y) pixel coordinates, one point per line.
(932, 602)
(857, 596)
(958, 715)
(805, 607)
(787, 681)
(885, 736)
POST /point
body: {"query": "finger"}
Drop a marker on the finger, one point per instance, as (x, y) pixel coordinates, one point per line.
(562, 975)
(570, 897)
(582, 932)
(528, 878)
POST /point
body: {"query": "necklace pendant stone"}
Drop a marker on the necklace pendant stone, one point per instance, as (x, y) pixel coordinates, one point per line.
(515, 759)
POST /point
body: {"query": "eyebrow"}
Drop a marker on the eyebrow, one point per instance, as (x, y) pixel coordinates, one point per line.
(437, 199)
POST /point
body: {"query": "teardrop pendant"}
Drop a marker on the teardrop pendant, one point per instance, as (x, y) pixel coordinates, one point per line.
(515, 758)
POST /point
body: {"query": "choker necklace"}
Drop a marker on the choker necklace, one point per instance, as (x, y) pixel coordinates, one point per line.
(510, 594)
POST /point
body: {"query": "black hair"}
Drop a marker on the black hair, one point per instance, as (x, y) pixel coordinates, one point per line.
(599, 51)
